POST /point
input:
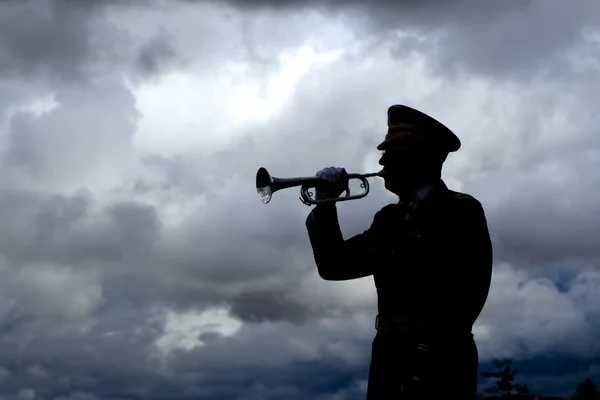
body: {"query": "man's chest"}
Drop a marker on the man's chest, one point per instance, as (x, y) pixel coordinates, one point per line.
(413, 239)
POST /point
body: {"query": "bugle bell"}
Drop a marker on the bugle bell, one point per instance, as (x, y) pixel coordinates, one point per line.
(266, 185)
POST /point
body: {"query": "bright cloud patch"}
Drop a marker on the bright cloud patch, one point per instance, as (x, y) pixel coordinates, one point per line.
(184, 330)
(187, 110)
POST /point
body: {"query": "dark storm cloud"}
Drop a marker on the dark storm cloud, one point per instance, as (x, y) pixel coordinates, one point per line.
(94, 250)
(155, 55)
(69, 358)
(518, 39)
(32, 224)
(73, 41)
(537, 177)
(49, 37)
(564, 223)
(79, 358)
(498, 40)
(268, 306)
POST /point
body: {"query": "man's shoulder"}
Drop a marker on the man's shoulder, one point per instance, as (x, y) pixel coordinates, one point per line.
(387, 214)
(463, 202)
(462, 197)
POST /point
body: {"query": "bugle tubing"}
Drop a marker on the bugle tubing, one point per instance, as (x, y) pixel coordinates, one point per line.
(266, 185)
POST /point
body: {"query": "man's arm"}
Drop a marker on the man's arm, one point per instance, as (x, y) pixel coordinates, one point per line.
(336, 258)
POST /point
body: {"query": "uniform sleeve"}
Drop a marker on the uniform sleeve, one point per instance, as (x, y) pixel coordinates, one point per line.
(336, 258)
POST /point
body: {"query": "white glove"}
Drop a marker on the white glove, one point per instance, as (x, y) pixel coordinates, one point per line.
(337, 182)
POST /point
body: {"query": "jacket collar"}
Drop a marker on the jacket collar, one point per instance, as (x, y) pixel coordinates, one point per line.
(426, 192)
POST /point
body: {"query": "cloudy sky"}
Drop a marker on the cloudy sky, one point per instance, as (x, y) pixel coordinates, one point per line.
(136, 260)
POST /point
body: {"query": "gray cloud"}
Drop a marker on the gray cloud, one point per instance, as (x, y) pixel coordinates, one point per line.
(154, 54)
(267, 306)
(500, 40)
(57, 44)
(74, 42)
(101, 240)
(89, 131)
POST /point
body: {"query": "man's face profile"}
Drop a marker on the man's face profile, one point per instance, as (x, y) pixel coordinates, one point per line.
(405, 167)
(398, 166)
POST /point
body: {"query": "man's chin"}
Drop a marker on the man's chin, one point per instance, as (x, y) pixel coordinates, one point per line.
(391, 185)
(395, 186)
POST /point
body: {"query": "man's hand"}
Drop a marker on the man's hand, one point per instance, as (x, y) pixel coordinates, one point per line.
(337, 182)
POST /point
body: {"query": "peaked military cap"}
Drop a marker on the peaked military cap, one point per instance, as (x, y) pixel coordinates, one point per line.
(409, 126)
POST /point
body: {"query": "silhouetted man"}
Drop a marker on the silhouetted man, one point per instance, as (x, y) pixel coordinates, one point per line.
(430, 256)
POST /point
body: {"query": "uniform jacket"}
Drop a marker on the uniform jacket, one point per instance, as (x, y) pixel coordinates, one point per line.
(431, 263)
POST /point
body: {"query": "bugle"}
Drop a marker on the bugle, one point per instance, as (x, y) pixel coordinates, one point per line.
(266, 185)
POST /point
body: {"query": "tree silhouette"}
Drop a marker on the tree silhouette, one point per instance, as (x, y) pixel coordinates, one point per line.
(504, 387)
(587, 390)
(504, 382)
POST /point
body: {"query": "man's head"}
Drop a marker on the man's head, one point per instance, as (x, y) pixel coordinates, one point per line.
(414, 149)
